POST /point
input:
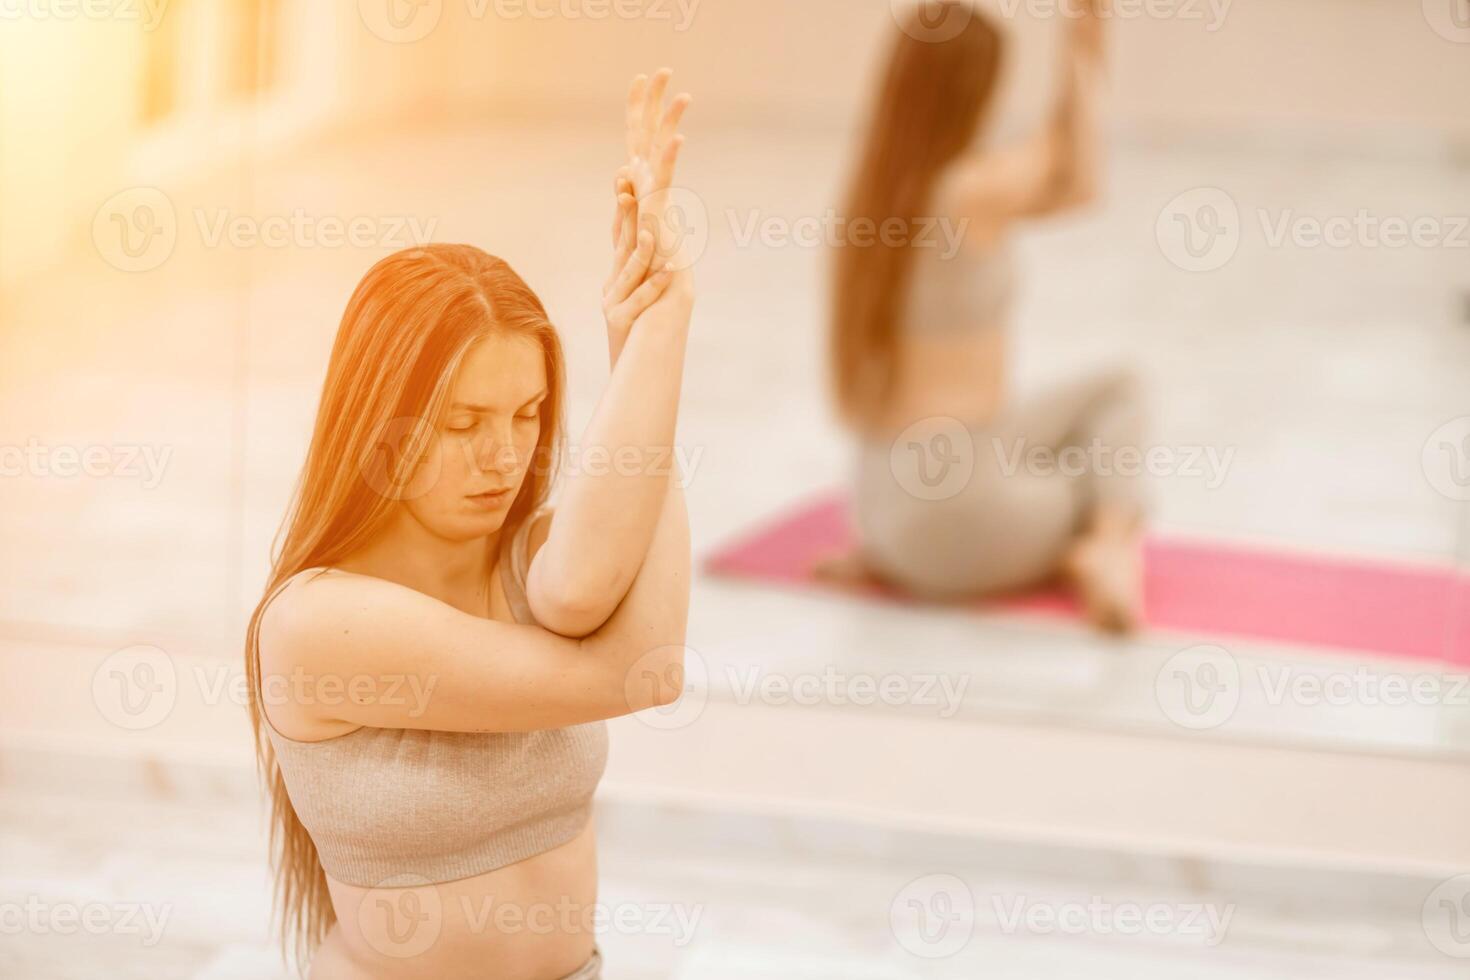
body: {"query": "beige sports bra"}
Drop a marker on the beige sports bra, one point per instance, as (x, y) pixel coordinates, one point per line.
(396, 806)
(959, 293)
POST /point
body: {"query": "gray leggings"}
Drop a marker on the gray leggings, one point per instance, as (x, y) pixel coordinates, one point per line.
(948, 510)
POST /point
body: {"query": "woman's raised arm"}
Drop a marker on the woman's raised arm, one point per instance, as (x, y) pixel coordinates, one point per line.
(1059, 167)
(618, 475)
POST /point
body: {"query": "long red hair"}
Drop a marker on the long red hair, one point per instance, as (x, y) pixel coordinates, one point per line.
(928, 110)
(403, 335)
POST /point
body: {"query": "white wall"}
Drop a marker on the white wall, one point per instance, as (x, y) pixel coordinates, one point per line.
(70, 91)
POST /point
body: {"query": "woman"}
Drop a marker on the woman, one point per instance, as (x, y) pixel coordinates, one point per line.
(437, 650)
(961, 490)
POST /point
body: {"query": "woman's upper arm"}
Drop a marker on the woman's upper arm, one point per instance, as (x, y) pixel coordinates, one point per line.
(359, 650)
(552, 607)
(1010, 183)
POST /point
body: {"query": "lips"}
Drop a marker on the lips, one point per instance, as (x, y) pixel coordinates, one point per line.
(490, 498)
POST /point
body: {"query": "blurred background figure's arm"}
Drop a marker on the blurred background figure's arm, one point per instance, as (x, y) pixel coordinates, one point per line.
(1059, 166)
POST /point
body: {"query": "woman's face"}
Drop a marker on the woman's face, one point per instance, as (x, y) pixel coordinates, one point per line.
(484, 444)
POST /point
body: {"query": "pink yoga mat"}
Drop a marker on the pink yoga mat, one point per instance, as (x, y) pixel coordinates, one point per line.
(1206, 588)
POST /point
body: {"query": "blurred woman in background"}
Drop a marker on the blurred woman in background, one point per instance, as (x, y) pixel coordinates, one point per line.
(962, 490)
(437, 650)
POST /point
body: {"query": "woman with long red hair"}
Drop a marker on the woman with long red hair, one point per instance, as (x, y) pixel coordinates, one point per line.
(962, 490)
(437, 649)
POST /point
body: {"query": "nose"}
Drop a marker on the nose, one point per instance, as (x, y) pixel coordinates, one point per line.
(495, 450)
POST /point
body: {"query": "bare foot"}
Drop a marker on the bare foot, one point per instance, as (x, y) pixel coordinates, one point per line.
(842, 568)
(1107, 571)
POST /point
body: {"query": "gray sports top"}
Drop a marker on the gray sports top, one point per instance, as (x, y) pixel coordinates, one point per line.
(382, 803)
(956, 293)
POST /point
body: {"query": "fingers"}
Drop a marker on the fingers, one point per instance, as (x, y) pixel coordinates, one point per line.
(637, 92)
(619, 190)
(653, 287)
(625, 232)
(664, 173)
(633, 270)
(653, 100)
(670, 124)
(670, 139)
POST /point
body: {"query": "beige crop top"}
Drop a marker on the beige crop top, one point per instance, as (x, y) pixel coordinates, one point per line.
(955, 289)
(410, 804)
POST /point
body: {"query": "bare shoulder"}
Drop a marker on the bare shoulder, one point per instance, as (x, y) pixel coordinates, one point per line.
(318, 608)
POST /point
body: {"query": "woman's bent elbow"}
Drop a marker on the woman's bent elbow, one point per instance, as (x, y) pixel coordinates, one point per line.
(656, 678)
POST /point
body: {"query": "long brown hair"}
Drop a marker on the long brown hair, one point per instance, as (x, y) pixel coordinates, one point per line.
(928, 110)
(404, 333)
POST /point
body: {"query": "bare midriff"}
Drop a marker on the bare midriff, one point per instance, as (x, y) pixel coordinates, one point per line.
(530, 920)
(958, 374)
